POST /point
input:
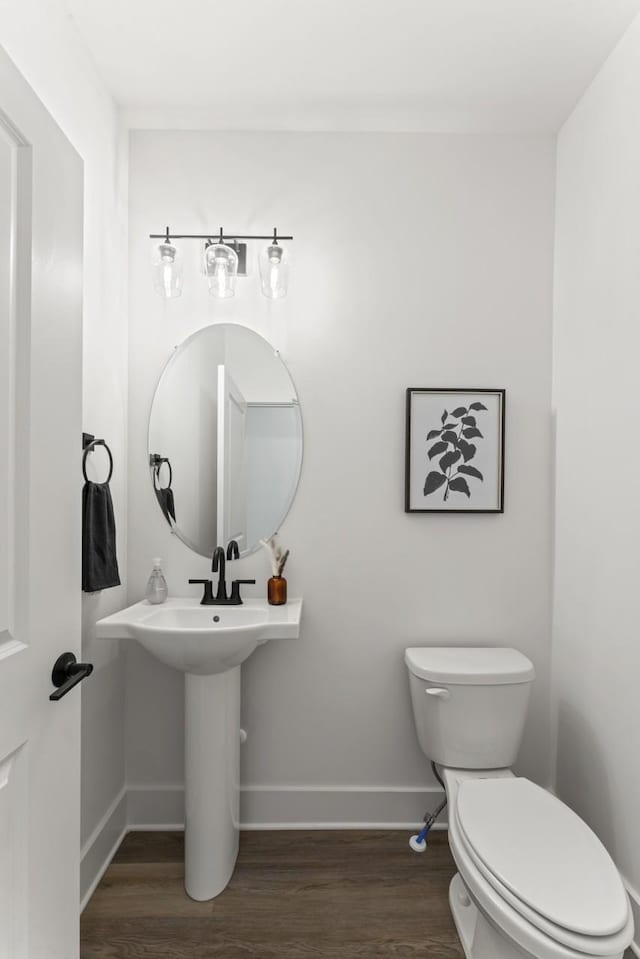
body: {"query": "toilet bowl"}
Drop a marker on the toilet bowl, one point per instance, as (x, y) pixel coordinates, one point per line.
(533, 879)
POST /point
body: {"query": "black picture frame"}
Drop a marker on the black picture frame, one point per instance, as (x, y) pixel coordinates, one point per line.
(429, 481)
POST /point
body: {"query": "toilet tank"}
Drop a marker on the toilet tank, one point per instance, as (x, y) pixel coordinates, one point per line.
(469, 703)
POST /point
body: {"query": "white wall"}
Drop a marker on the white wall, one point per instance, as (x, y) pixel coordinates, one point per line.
(418, 260)
(596, 652)
(39, 37)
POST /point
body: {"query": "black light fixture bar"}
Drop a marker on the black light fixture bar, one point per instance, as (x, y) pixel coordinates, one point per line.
(216, 235)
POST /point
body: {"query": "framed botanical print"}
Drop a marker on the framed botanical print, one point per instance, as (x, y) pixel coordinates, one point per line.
(454, 460)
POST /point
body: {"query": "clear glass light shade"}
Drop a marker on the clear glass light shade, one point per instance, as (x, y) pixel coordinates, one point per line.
(221, 268)
(167, 270)
(274, 271)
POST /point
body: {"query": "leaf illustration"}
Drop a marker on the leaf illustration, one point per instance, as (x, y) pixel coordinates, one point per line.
(471, 471)
(460, 485)
(437, 448)
(477, 406)
(469, 420)
(451, 426)
(449, 459)
(450, 437)
(460, 411)
(468, 450)
(431, 435)
(470, 433)
(444, 417)
(433, 482)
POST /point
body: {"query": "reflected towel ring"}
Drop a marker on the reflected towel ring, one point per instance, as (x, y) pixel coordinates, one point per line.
(156, 476)
(89, 449)
(156, 462)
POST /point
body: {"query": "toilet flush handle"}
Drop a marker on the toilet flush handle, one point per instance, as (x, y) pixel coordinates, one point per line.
(438, 691)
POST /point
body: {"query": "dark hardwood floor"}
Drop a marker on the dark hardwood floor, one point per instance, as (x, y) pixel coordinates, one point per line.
(294, 895)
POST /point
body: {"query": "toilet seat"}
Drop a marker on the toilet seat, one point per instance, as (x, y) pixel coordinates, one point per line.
(517, 831)
(479, 804)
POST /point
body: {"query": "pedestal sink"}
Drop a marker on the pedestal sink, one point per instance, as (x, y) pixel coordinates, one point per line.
(207, 644)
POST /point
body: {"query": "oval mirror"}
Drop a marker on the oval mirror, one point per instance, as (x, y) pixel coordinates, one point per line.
(225, 439)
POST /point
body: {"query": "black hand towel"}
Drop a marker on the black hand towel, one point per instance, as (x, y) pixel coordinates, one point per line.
(167, 503)
(99, 560)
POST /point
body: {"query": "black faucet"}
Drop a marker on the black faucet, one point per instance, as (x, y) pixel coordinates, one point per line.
(218, 565)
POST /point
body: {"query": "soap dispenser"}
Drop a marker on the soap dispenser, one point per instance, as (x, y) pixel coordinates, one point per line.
(157, 590)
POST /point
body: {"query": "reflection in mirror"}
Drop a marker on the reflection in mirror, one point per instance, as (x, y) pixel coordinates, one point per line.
(225, 439)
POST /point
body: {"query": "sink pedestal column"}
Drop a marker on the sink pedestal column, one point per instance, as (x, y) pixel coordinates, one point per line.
(212, 781)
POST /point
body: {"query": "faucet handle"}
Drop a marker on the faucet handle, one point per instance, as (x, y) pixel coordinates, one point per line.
(236, 599)
(207, 595)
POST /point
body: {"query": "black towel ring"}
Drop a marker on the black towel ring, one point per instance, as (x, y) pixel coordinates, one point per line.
(89, 449)
(156, 475)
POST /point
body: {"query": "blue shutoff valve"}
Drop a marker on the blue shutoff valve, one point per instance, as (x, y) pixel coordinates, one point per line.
(419, 842)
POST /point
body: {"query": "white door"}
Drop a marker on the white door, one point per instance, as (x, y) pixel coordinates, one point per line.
(40, 445)
(232, 485)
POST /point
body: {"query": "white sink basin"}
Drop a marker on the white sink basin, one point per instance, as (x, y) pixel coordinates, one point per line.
(202, 640)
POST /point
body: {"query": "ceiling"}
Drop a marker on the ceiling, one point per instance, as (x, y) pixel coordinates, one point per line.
(439, 65)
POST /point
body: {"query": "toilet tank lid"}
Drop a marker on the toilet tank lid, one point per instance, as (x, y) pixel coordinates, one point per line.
(469, 665)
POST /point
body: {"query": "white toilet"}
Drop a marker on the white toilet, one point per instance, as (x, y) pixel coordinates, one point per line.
(533, 879)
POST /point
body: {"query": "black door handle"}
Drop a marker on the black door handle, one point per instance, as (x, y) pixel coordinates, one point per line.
(67, 673)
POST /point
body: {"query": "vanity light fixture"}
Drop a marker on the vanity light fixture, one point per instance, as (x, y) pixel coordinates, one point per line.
(225, 259)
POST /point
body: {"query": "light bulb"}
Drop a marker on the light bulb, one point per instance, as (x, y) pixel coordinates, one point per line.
(167, 270)
(221, 268)
(274, 271)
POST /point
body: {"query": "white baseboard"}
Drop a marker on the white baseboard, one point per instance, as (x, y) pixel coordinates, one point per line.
(294, 807)
(261, 807)
(326, 807)
(101, 846)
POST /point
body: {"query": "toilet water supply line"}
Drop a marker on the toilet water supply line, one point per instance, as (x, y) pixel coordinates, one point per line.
(419, 842)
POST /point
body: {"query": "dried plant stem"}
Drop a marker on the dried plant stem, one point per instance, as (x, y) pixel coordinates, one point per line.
(282, 563)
